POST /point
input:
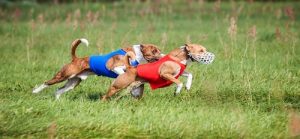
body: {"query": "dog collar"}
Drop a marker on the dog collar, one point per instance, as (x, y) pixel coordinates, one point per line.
(139, 55)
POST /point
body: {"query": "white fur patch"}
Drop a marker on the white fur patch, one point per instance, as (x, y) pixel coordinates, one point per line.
(84, 75)
(84, 41)
(185, 62)
(119, 70)
(179, 87)
(189, 80)
(139, 55)
(73, 75)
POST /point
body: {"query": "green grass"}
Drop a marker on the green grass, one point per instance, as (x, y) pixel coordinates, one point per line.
(248, 92)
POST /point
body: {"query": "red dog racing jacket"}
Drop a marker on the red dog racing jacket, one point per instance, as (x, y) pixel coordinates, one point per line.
(150, 72)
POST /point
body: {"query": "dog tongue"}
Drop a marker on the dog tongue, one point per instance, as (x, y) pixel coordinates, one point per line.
(207, 58)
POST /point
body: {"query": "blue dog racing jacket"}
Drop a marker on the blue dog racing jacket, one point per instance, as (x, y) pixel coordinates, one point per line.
(98, 63)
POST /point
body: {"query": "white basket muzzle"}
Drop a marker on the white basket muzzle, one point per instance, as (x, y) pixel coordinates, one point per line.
(205, 58)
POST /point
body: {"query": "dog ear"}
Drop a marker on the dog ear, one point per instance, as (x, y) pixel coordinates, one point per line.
(188, 47)
(142, 46)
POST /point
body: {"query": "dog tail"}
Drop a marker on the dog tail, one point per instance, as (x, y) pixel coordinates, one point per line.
(75, 45)
(129, 55)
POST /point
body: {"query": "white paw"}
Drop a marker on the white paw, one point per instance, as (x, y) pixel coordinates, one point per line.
(35, 90)
(57, 96)
(188, 87)
(39, 89)
(178, 89)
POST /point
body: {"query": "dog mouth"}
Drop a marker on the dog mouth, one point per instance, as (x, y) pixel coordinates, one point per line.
(204, 58)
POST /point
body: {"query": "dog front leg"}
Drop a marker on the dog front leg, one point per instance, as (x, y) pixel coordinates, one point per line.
(111, 91)
(171, 78)
(189, 79)
(120, 83)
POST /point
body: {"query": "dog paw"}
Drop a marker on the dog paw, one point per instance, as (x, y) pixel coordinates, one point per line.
(35, 91)
(57, 97)
(188, 87)
(178, 89)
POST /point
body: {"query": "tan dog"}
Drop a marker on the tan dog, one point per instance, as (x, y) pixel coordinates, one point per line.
(109, 65)
(168, 69)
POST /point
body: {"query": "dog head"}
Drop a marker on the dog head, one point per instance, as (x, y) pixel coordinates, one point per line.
(199, 53)
(150, 52)
(195, 49)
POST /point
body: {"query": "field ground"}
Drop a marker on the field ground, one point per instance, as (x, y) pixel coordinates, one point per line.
(252, 90)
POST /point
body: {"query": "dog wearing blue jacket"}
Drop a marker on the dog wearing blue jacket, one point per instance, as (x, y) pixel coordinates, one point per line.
(109, 65)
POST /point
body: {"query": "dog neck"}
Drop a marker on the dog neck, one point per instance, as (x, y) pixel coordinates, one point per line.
(139, 55)
(181, 55)
(188, 58)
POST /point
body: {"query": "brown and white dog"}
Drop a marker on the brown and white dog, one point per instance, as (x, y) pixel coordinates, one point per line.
(168, 69)
(113, 64)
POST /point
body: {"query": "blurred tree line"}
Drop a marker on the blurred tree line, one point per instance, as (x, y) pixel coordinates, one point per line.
(11, 3)
(70, 1)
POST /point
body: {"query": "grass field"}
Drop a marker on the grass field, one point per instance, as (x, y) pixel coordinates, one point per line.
(252, 90)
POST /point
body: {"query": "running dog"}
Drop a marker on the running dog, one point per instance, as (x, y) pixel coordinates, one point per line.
(109, 65)
(163, 72)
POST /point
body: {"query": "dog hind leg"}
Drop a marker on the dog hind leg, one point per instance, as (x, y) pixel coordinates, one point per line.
(67, 72)
(56, 79)
(71, 84)
(40, 88)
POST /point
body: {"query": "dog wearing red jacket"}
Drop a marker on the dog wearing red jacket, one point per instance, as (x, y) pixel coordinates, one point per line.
(108, 65)
(161, 73)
